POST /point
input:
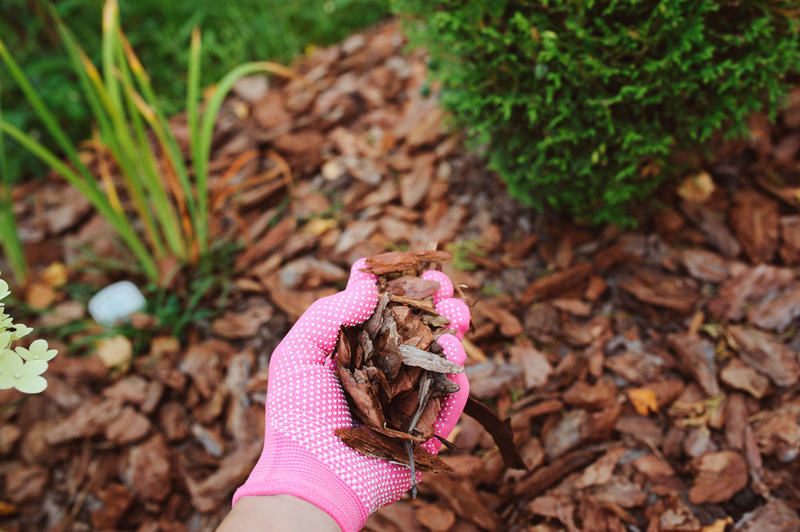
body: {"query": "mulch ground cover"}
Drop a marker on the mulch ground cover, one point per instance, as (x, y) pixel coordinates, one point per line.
(650, 375)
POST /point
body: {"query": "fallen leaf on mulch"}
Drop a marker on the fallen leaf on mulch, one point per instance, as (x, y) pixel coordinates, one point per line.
(644, 400)
(114, 351)
(40, 296)
(697, 188)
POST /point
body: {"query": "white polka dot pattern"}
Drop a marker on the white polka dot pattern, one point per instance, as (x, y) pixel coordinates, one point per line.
(305, 404)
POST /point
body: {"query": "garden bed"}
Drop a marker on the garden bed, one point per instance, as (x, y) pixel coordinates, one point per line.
(651, 375)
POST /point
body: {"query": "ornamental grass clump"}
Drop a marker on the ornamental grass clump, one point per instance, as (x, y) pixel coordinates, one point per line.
(142, 179)
(583, 105)
(21, 368)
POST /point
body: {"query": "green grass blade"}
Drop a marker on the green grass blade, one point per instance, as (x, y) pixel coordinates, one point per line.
(43, 112)
(193, 89)
(206, 133)
(149, 173)
(160, 125)
(93, 194)
(9, 238)
(108, 48)
(119, 137)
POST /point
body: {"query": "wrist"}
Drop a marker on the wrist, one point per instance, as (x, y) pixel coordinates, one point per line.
(280, 513)
(287, 468)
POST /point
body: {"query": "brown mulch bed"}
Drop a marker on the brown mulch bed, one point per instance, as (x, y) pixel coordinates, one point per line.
(650, 375)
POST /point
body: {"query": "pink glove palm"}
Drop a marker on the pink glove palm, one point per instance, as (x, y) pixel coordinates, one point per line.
(305, 404)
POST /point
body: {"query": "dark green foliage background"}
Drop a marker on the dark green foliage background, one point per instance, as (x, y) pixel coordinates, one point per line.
(234, 31)
(575, 97)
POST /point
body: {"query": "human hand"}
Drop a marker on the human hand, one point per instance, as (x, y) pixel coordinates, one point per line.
(305, 405)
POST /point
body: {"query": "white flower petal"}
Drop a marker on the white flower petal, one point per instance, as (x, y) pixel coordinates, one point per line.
(10, 362)
(34, 367)
(37, 351)
(31, 384)
(24, 353)
(7, 381)
(5, 339)
(38, 346)
(20, 330)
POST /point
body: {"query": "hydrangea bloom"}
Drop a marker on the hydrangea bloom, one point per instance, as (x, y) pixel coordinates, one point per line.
(37, 351)
(21, 369)
(14, 373)
(20, 330)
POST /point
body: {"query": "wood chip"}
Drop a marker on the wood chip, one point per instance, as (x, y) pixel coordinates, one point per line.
(774, 516)
(556, 283)
(697, 358)
(779, 313)
(377, 445)
(754, 219)
(148, 469)
(742, 377)
(767, 355)
(426, 360)
(242, 325)
(790, 238)
(720, 476)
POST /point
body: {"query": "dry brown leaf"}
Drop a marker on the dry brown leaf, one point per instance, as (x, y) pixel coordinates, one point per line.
(720, 525)
(40, 295)
(114, 351)
(55, 275)
(7, 508)
(644, 400)
(697, 188)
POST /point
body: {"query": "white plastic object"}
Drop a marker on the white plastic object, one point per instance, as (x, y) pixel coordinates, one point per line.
(115, 302)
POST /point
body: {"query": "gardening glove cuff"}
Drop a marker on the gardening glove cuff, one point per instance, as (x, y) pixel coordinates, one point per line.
(287, 468)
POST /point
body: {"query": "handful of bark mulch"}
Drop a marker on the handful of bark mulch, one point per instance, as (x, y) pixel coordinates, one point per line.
(394, 373)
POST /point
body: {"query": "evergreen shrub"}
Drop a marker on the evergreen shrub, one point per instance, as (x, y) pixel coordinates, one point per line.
(582, 103)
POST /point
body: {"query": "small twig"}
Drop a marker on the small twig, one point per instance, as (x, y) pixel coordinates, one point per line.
(424, 395)
(410, 449)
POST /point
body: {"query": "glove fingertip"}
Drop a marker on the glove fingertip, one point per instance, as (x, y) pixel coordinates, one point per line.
(445, 285)
(357, 274)
(453, 349)
(359, 301)
(457, 312)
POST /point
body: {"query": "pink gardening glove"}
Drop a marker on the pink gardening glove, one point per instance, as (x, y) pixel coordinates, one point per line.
(305, 404)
